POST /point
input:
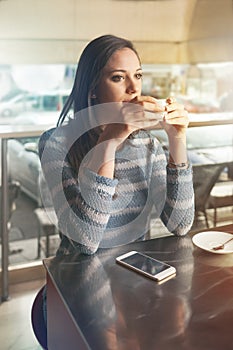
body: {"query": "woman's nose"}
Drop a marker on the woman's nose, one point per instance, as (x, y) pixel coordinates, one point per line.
(132, 87)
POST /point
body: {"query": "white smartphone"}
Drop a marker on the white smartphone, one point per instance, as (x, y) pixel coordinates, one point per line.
(146, 265)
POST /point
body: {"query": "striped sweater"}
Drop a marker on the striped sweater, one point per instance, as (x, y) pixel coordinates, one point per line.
(94, 211)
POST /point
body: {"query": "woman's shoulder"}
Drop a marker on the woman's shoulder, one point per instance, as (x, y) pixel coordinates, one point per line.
(47, 134)
(53, 133)
(50, 136)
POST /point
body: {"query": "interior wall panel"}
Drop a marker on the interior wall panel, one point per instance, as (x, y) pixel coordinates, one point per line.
(164, 31)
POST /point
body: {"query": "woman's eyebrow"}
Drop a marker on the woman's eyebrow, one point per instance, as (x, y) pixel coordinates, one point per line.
(122, 70)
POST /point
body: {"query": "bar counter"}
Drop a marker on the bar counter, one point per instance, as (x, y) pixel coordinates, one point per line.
(94, 303)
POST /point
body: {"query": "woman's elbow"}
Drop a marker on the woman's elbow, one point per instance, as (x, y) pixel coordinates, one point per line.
(88, 250)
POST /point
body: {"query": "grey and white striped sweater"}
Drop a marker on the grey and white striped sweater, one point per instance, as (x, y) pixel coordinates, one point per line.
(94, 211)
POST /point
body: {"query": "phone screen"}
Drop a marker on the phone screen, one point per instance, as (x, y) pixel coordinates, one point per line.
(145, 263)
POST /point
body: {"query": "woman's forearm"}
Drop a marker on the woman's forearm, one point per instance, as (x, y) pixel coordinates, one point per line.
(177, 151)
(102, 156)
(101, 159)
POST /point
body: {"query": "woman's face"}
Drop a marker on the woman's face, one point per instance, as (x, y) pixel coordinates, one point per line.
(121, 79)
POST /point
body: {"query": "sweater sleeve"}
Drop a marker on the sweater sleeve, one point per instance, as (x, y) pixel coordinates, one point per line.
(173, 194)
(82, 201)
(178, 213)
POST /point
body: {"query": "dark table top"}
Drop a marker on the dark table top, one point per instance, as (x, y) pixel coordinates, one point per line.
(116, 308)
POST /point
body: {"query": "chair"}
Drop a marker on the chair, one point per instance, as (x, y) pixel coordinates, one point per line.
(37, 320)
(221, 196)
(205, 177)
(13, 193)
(47, 221)
(46, 217)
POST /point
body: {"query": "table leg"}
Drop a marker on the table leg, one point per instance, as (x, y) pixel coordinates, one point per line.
(4, 229)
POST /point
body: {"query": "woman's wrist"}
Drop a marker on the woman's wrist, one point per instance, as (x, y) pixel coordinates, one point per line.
(177, 152)
(182, 165)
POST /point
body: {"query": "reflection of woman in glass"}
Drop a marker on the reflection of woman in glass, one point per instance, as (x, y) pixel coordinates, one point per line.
(107, 201)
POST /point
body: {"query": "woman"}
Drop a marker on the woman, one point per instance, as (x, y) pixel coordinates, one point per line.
(104, 170)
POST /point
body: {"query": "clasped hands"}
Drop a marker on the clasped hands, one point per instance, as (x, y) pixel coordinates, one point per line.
(131, 116)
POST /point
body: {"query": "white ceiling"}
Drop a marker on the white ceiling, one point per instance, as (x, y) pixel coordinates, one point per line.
(164, 31)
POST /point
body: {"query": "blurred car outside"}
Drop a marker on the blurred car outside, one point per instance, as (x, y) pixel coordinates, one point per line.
(53, 100)
(50, 100)
(37, 118)
(15, 105)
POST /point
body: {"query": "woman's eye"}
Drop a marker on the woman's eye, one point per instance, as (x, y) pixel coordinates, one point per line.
(117, 78)
(139, 76)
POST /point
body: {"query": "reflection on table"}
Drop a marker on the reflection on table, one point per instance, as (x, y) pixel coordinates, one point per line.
(94, 303)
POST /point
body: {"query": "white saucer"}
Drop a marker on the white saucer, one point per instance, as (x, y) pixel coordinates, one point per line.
(209, 239)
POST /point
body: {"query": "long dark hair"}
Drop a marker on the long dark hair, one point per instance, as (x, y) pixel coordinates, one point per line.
(91, 63)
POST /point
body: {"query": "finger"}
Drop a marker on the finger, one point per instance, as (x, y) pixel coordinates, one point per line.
(174, 106)
(178, 121)
(153, 107)
(170, 100)
(132, 108)
(141, 119)
(146, 99)
(184, 121)
(150, 104)
(177, 113)
(149, 99)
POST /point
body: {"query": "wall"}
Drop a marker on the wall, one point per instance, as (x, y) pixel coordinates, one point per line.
(169, 31)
